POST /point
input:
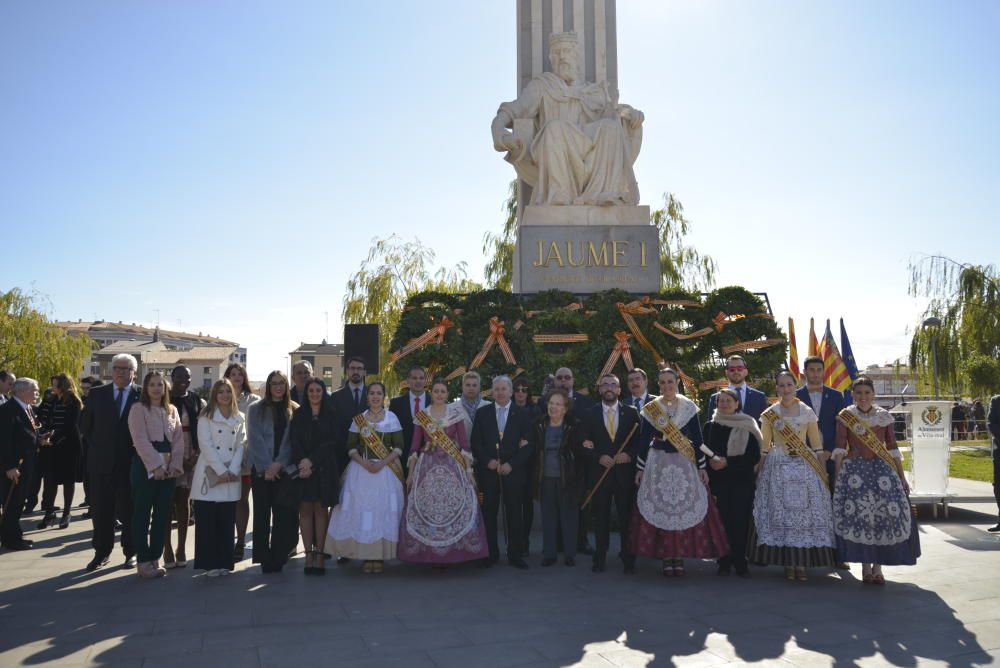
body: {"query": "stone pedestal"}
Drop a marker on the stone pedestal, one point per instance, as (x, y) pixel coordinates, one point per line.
(586, 249)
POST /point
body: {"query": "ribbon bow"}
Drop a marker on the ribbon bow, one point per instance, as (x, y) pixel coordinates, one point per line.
(627, 312)
(497, 330)
(621, 350)
(433, 335)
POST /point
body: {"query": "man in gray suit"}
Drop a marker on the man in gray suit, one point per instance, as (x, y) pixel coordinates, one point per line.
(104, 423)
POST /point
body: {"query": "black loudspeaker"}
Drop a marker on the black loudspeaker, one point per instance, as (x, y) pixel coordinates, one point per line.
(362, 341)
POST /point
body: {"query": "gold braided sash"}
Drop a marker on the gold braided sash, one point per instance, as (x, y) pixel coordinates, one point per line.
(440, 439)
(653, 411)
(371, 439)
(866, 435)
(795, 443)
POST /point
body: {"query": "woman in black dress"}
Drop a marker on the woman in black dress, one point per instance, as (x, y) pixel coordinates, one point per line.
(314, 441)
(64, 451)
(735, 439)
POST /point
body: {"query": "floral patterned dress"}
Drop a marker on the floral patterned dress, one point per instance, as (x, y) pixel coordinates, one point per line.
(675, 516)
(442, 523)
(793, 522)
(871, 512)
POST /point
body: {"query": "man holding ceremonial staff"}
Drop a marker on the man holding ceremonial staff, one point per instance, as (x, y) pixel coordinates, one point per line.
(613, 432)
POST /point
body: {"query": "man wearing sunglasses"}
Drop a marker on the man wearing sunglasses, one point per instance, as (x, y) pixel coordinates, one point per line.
(752, 402)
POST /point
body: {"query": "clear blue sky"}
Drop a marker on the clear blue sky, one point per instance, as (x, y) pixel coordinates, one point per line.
(229, 162)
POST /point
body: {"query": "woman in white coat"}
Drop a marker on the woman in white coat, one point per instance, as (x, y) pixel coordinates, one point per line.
(215, 487)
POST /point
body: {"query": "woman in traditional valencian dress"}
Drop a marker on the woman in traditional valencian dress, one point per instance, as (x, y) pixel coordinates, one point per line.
(793, 523)
(365, 525)
(442, 523)
(675, 516)
(871, 511)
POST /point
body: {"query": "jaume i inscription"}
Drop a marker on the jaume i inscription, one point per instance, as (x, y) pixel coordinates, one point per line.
(578, 254)
(589, 259)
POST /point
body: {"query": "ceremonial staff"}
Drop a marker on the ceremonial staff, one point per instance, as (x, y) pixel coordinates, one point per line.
(608, 470)
(503, 506)
(13, 485)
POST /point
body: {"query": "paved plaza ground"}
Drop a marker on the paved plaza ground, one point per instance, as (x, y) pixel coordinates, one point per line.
(944, 611)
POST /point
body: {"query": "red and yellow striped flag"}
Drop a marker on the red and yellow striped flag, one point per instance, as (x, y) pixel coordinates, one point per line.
(835, 372)
(813, 343)
(793, 351)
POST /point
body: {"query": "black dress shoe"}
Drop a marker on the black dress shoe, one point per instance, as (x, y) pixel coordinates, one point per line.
(745, 573)
(97, 562)
(599, 565)
(585, 549)
(548, 561)
(995, 529)
(629, 569)
(519, 563)
(129, 563)
(22, 545)
(570, 561)
(343, 560)
(50, 518)
(724, 570)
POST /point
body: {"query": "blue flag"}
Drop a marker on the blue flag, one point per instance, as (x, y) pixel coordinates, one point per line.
(849, 362)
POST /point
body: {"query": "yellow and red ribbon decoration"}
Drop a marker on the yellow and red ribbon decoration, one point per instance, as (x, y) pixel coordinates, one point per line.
(497, 330)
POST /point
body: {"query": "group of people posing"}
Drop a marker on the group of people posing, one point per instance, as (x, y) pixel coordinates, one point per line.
(802, 483)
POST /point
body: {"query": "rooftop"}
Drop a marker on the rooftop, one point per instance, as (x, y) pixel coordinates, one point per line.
(322, 348)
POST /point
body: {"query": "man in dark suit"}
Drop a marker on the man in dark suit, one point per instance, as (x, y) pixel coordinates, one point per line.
(109, 457)
(348, 401)
(638, 388)
(500, 446)
(407, 406)
(18, 449)
(607, 425)
(752, 402)
(825, 401)
(993, 420)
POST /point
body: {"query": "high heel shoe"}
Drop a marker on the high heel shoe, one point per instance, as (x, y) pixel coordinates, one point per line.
(49, 518)
(64, 522)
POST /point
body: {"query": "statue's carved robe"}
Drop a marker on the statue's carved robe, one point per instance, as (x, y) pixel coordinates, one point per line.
(582, 152)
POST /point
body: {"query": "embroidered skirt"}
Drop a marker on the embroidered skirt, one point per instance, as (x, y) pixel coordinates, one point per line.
(675, 516)
(872, 518)
(442, 523)
(365, 524)
(793, 520)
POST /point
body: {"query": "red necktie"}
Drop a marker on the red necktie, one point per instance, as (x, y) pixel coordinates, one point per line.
(416, 405)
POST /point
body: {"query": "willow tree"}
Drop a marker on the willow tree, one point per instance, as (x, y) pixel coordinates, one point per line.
(33, 346)
(394, 270)
(500, 247)
(681, 265)
(966, 299)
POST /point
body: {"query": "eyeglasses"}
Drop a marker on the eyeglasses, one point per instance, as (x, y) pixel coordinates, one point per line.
(520, 389)
(735, 368)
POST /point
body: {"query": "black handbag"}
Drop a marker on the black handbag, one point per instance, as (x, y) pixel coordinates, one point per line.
(287, 490)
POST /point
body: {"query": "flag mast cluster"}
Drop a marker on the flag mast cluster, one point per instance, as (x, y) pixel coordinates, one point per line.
(839, 369)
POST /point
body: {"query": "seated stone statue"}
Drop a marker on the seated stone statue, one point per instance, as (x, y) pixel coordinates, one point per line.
(583, 142)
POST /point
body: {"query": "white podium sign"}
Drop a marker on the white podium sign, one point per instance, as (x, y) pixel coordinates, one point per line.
(931, 451)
